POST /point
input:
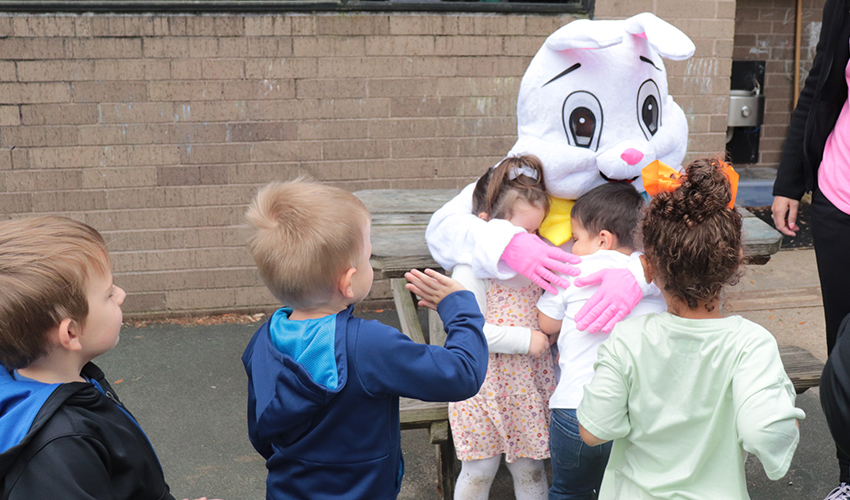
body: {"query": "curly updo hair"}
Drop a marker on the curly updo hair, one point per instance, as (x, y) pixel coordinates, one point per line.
(692, 237)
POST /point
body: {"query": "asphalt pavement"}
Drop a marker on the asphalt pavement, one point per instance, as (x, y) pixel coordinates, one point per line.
(187, 388)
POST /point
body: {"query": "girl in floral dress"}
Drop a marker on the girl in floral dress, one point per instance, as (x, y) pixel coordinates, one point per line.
(509, 416)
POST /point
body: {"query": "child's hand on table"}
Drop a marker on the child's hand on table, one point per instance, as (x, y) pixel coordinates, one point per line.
(431, 286)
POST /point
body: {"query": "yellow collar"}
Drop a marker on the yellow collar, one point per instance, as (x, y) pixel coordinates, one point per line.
(556, 226)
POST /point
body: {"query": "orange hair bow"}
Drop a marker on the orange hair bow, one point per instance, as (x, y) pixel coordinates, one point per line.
(658, 178)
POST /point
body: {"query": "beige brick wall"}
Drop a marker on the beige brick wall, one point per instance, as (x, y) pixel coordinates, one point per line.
(765, 31)
(158, 129)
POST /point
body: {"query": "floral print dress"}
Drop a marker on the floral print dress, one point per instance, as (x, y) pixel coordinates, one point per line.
(510, 414)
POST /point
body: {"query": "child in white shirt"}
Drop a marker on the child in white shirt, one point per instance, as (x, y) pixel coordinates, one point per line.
(604, 222)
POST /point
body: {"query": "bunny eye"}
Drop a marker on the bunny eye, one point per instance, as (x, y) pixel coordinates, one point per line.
(649, 108)
(582, 119)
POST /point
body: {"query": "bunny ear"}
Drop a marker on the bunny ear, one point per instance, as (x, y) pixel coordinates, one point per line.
(586, 34)
(665, 38)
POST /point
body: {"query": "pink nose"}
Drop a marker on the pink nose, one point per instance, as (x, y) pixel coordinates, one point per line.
(631, 156)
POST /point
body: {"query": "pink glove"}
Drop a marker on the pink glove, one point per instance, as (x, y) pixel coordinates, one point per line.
(618, 294)
(533, 258)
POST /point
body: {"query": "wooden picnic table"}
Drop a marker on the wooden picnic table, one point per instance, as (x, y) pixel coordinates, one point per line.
(399, 218)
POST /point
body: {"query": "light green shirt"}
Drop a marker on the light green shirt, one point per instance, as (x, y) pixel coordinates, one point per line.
(685, 400)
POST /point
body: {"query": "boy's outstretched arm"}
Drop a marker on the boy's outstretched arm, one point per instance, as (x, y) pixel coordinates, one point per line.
(388, 362)
(431, 286)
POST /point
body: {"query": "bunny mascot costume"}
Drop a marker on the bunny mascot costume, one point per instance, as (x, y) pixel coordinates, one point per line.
(593, 106)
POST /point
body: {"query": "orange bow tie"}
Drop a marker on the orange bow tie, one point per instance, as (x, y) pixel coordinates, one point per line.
(658, 178)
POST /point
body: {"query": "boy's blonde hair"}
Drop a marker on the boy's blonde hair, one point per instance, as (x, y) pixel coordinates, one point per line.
(45, 267)
(304, 236)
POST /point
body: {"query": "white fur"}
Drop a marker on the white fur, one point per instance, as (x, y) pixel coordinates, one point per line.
(613, 83)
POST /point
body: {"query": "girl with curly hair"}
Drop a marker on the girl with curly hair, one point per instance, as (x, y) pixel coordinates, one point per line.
(685, 393)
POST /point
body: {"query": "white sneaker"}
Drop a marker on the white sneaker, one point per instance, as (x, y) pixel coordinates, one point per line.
(840, 493)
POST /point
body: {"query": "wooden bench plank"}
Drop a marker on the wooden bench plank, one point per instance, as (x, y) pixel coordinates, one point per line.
(802, 367)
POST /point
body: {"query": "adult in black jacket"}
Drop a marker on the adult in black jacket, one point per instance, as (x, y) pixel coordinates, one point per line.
(821, 113)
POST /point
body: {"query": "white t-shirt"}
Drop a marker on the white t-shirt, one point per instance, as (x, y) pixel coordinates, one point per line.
(577, 349)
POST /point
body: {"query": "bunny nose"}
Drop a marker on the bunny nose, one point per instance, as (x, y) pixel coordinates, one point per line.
(631, 156)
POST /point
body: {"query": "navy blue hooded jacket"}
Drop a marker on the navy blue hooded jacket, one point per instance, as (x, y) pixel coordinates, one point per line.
(344, 442)
(73, 442)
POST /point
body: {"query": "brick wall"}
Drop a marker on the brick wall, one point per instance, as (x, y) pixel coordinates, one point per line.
(765, 31)
(157, 130)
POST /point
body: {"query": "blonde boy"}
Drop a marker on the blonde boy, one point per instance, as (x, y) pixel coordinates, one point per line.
(63, 431)
(323, 385)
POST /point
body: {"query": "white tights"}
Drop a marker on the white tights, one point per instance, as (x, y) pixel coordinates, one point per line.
(476, 476)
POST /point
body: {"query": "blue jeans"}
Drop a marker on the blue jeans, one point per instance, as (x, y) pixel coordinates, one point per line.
(576, 467)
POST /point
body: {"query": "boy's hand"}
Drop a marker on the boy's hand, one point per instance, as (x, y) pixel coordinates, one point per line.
(539, 343)
(431, 286)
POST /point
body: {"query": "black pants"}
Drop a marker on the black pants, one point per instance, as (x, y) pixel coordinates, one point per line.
(831, 236)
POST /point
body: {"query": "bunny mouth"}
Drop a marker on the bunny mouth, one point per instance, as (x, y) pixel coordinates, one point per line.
(618, 180)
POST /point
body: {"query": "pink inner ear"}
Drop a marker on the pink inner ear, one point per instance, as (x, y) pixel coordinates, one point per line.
(642, 35)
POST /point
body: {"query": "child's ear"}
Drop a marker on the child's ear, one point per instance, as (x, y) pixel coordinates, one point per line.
(484, 216)
(345, 283)
(68, 334)
(608, 240)
(648, 268)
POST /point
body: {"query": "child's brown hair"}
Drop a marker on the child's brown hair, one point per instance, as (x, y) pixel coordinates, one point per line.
(514, 178)
(304, 236)
(45, 266)
(614, 207)
(692, 237)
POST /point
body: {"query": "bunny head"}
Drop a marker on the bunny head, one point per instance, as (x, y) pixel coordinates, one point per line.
(593, 104)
